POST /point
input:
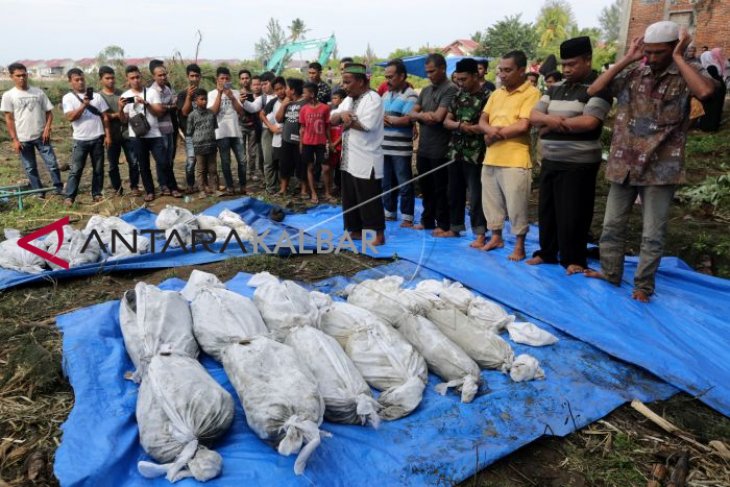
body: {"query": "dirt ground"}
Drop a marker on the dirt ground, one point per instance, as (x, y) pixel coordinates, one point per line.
(618, 451)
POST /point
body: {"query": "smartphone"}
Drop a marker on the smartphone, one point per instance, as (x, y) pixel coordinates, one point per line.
(227, 85)
(89, 93)
(129, 99)
(249, 97)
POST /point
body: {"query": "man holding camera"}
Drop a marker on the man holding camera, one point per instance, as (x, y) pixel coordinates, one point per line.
(86, 111)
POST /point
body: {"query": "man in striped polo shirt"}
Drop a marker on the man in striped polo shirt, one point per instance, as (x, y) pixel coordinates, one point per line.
(398, 102)
(570, 123)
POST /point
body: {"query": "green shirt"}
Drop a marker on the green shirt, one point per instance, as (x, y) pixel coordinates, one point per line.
(467, 108)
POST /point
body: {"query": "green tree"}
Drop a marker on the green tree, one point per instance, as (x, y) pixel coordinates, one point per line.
(297, 29)
(610, 21)
(554, 25)
(370, 57)
(508, 34)
(111, 55)
(274, 39)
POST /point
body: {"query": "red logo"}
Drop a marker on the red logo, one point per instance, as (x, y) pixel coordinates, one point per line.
(57, 226)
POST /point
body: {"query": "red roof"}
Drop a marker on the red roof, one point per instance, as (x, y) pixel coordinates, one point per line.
(461, 47)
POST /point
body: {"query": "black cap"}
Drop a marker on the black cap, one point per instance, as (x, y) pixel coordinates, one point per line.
(578, 46)
(467, 65)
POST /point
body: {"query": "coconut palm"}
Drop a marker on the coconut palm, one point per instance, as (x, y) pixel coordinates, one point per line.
(297, 29)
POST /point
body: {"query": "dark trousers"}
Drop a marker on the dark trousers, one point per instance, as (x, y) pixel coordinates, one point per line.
(465, 180)
(81, 150)
(565, 213)
(356, 191)
(165, 173)
(113, 152)
(434, 189)
(143, 147)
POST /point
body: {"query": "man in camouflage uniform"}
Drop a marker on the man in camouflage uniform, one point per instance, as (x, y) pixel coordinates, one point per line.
(466, 151)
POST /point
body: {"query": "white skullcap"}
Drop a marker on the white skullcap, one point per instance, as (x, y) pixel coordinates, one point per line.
(659, 32)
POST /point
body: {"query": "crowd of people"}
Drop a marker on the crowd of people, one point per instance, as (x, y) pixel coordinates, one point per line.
(470, 138)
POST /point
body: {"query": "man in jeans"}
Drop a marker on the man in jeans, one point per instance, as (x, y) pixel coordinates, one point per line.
(398, 102)
(648, 145)
(185, 105)
(228, 108)
(139, 100)
(165, 173)
(271, 171)
(29, 116)
(120, 139)
(433, 144)
(90, 124)
(248, 126)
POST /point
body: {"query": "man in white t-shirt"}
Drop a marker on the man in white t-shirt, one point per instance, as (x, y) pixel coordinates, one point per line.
(86, 111)
(139, 100)
(361, 115)
(28, 116)
(165, 174)
(227, 107)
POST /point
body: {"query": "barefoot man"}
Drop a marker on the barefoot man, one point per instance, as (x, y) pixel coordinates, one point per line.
(507, 175)
(361, 115)
(570, 125)
(466, 150)
(647, 150)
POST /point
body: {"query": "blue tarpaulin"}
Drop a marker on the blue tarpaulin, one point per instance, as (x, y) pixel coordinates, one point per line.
(254, 212)
(682, 336)
(442, 442)
(416, 65)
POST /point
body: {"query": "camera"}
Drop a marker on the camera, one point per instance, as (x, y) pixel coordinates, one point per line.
(129, 99)
(89, 93)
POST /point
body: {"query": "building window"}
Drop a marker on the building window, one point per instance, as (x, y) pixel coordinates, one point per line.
(684, 19)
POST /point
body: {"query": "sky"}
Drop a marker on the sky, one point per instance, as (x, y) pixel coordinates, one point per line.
(45, 29)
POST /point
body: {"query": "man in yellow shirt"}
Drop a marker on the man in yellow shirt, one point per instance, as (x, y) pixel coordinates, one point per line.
(506, 175)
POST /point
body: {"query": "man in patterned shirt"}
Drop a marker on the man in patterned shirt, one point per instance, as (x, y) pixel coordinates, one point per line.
(571, 122)
(324, 91)
(647, 150)
(466, 152)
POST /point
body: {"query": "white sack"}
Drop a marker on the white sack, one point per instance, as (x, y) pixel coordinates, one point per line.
(279, 396)
(453, 293)
(379, 296)
(443, 356)
(179, 408)
(173, 215)
(235, 222)
(390, 364)
(199, 280)
(207, 222)
(70, 251)
(525, 367)
(341, 320)
(489, 314)
(17, 259)
(222, 317)
(486, 348)
(150, 319)
(530, 334)
(347, 397)
(283, 305)
(184, 235)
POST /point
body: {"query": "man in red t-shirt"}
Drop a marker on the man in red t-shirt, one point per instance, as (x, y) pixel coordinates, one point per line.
(314, 121)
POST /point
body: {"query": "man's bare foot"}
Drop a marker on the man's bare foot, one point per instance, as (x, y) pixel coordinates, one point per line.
(444, 233)
(406, 224)
(314, 200)
(575, 269)
(640, 296)
(378, 240)
(517, 254)
(594, 274)
(356, 235)
(494, 243)
(478, 243)
(537, 260)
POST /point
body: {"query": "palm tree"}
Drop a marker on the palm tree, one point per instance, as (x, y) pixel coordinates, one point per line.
(297, 29)
(554, 22)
